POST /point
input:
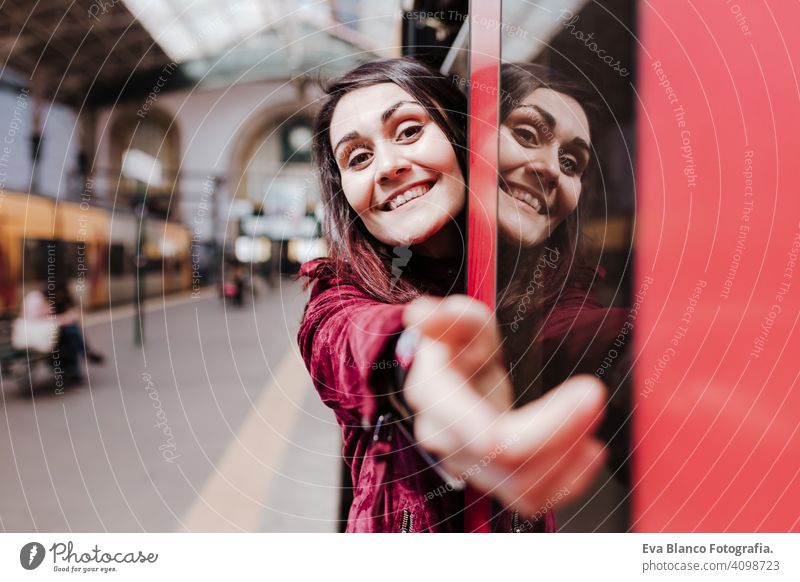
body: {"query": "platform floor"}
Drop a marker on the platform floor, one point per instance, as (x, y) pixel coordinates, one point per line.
(213, 426)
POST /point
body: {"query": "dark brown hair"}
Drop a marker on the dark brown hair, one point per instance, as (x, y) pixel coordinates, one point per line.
(354, 252)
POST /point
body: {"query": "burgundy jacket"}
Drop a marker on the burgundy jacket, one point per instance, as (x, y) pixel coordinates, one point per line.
(347, 340)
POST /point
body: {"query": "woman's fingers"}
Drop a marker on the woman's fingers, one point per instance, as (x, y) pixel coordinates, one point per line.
(529, 487)
(545, 446)
(493, 461)
(578, 480)
(557, 420)
(570, 476)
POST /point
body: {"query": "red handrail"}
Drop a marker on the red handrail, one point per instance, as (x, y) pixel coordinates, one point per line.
(484, 91)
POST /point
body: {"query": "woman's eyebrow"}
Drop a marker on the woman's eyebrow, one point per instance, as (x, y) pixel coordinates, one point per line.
(549, 120)
(580, 143)
(347, 137)
(387, 114)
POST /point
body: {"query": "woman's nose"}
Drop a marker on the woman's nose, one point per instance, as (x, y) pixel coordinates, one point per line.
(544, 164)
(392, 166)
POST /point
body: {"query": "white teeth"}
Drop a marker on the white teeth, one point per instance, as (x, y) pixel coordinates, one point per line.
(408, 195)
(529, 199)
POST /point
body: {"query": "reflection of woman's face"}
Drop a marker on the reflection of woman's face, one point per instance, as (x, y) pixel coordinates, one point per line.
(544, 150)
(399, 171)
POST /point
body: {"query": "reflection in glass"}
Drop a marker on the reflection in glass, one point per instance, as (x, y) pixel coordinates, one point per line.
(565, 215)
(545, 155)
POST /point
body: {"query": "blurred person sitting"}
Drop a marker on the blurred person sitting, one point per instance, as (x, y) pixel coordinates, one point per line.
(35, 329)
(71, 340)
(49, 323)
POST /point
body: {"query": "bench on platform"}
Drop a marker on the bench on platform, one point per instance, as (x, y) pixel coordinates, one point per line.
(15, 364)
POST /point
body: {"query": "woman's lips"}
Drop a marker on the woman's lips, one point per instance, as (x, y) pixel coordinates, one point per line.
(410, 194)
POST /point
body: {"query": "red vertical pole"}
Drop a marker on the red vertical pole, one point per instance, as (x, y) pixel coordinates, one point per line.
(717, 291)
(484, 91)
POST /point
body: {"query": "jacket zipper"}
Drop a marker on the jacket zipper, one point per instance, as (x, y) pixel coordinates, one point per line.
(407, 525)
(515, 523)
(378, 433)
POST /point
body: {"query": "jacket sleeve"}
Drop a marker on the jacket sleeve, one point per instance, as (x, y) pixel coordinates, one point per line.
(579, 334)
(347, 340)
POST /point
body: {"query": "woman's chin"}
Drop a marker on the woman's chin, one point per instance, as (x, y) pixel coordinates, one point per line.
(524, 232)
(518, 224)
(515, 242)
(416, 230)
(407, 237)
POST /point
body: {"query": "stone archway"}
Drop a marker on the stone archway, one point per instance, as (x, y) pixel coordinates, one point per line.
(260, 150)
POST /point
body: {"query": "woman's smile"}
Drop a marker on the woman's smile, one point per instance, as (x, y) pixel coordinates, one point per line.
(531, 199)
(406, 194)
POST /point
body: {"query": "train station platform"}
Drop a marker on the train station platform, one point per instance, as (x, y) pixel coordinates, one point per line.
(212, 426)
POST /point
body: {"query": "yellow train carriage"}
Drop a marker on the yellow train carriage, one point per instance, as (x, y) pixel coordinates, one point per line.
(42, 238)
(23, 218)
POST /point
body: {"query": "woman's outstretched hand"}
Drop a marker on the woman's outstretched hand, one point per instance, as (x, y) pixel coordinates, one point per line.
(461, 395)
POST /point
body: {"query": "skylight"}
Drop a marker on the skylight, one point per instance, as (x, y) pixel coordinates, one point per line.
(191, 29)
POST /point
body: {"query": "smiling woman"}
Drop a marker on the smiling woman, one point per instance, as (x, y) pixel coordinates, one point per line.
(541, 164)
(387, 128)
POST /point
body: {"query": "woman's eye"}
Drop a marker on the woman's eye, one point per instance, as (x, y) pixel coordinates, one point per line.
(358, 159)
(526, 135)
(569, 164)
(409, 132)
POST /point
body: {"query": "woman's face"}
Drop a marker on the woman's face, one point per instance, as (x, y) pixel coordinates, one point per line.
(544, 150)
(399, 171)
